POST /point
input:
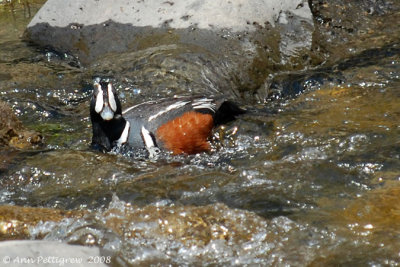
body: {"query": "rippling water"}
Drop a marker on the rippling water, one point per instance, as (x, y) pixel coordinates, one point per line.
(307, 180)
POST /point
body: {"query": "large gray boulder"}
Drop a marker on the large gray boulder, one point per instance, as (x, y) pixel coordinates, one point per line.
(251, 37)
(238, 15)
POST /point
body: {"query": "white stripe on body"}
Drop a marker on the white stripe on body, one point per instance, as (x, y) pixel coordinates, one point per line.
(147, 139)
(135, 106)
(148, 102)
(204, 103)
(169, 108)
(125, 134)
(149, 143)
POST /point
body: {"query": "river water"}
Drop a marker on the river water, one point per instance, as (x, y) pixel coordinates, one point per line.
(306, 180)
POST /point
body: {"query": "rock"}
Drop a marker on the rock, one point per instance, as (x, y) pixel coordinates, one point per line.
(252, 38)
(13, 133)
(49, 253)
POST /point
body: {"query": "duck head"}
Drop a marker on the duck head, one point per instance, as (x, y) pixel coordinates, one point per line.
(106, 116)
(105, 102)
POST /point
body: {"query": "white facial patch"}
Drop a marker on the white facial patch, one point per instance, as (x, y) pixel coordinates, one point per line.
(99, 99)
(111, 98)
(169, 108)
(125, 134)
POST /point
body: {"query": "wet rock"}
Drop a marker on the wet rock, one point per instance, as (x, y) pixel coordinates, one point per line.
(250, 39)
(370, 221)
(347, 35)
(346, 28)
(376, 211)
(15, 220)
(13, 133)
(48, 253)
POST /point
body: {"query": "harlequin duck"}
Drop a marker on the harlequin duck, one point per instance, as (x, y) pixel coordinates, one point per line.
(180, 124)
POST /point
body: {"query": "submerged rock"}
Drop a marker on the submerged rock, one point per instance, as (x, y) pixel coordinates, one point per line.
(13, 133)
(15, 220)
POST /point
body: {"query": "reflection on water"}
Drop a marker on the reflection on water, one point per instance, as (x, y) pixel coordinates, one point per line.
(313, 181)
